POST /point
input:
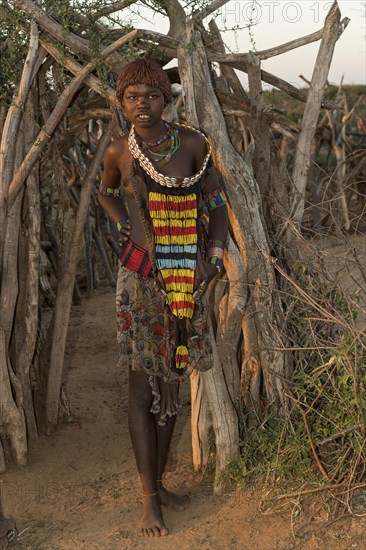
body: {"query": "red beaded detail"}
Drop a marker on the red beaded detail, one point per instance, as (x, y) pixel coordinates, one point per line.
(136, 259)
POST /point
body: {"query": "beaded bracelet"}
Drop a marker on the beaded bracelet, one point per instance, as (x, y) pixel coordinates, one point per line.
(215, 254)
(215, 199)
(108, 191)
(217, 262)
(216, 243)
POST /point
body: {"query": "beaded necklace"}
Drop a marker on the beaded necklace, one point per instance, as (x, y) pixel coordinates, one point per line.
(162, 150)
(165, 181)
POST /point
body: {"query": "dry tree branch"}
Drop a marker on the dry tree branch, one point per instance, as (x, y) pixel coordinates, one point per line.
(112, 8)
(340, 434)
(313, 104)
(328, 317)
(293, 44)
(315, 490)
(52, 27)
(308, 432)
(243, 106)
(74, 67)
(64, 296)
(56, 30)
(55, 117)
(198, 15)
(227, 59)
(177, 18)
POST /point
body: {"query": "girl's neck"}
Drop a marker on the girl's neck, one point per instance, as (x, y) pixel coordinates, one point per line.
(152, 134)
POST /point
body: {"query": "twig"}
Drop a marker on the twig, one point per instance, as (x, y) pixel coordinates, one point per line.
(315, 454)
(315, 490)
(339, 434)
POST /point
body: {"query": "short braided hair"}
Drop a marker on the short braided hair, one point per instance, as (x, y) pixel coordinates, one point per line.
(143, 71)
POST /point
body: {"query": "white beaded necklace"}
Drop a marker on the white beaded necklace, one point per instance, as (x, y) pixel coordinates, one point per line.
(166, 181)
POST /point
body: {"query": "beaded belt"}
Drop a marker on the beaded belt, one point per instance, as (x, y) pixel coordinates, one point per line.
(136, 259)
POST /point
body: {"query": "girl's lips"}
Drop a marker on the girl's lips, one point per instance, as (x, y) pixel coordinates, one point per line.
(143, 117)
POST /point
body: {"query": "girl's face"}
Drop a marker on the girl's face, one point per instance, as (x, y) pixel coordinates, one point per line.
(143, 105)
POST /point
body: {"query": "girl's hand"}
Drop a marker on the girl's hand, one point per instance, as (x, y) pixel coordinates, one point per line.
(210, 273)
(124, 228)
(210, 270)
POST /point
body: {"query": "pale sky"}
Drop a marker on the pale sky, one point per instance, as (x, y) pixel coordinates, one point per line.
(278, 21)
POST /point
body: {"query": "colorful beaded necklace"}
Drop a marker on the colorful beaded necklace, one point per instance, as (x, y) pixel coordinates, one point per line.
(149, 168)
(162, 150)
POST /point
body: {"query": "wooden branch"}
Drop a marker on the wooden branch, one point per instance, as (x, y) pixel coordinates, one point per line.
(73, 41)
(340, 434)
(243, 105)
(11, 128)
(227, 72)
(185, 69)
(12, 419)
(55, 117)
(2, 470)
(75, 121)
(112, 8)
(259, 127)
(198, 15)
(292, 45)
(104, 256)
(74, 67)
(66, 284)
(88, 241)
(9, 289)
(311, 112)
(201, 422)
(177, 17)
(166, 53)
(288, 46)
(25, 332)
(56, 30)
(269, 78)
(313, 490)
(228, 336)
(162, 39)
(224, 418)
(312, 446)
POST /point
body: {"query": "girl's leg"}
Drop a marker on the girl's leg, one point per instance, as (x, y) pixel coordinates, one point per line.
(142, 427)
(164, 437)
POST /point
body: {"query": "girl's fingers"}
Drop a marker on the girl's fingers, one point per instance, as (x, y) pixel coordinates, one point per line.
(124, 232)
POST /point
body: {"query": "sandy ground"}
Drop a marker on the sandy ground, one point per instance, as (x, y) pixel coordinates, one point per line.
(80, 489)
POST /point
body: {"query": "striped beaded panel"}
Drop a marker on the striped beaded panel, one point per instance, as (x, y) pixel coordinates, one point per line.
(174, 220)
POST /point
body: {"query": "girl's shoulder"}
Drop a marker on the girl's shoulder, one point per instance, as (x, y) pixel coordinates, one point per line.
(117, 148)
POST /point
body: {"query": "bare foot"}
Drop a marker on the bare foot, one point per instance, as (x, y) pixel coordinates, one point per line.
(152, 523)
(172, 500)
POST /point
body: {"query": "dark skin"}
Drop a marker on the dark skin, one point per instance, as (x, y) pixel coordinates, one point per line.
(143, 105)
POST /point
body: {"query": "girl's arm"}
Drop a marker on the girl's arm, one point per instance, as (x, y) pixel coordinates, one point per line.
(110, 197)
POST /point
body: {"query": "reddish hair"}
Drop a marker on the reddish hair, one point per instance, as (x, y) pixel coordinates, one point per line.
(143, 71)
